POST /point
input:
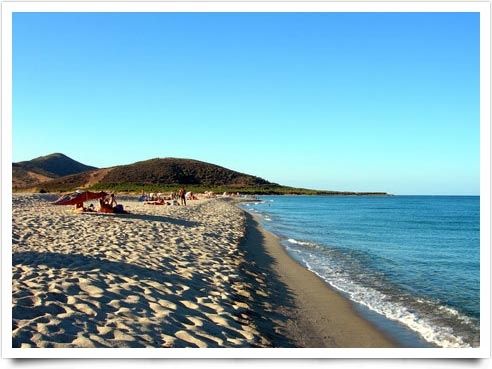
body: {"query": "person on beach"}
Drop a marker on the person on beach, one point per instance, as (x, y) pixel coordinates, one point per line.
(191, 196)
(182, 196)
(112, 201)
(104, 206)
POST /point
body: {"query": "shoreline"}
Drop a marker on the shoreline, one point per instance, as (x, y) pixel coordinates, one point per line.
(317, 315)
(204, 275)
(352, 255)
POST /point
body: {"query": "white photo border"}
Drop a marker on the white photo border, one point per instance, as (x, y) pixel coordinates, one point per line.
(7, 10)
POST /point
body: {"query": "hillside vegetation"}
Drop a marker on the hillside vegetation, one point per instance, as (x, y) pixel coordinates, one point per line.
(166, 175)
(56, 164)
(22, 177)
(180, 172)
(44, 168)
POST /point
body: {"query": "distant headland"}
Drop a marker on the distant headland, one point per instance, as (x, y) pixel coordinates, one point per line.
(59, 173)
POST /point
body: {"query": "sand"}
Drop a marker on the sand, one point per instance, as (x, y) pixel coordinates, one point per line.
(316, 315)
(204, 275)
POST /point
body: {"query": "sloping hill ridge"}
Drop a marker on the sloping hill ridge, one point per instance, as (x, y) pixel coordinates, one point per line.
(44, 168)
(181, 172)
(57, 165)
(22, 177)
(164, 172)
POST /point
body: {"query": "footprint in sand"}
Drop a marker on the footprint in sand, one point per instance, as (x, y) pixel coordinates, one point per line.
(132, 299)
(121, 336)
(83, 342)
(189, 304)
(185, 336)
(168, 341)
(196, 321)
(86, 309)
(103, 330)
(214, 307)
(90, 289)
(160, 312)
(168, 304)
(114, 304)
(219, 320)
(240, 307)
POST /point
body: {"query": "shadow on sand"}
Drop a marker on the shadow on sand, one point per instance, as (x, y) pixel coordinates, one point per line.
(265, 312)
(166, 275)
(279, 296)
(78, 262)
(149, 218)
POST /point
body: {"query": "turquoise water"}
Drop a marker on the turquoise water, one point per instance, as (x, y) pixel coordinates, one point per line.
(412, 260)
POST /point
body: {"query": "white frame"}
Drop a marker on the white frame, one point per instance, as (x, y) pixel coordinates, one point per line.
(201, 6)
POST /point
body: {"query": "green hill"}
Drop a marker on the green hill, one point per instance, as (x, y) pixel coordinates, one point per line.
(169, 174)
(44, 168)
(56, 164)
(180, 172)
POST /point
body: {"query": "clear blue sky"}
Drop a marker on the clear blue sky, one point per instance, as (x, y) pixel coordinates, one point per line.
(341, 101)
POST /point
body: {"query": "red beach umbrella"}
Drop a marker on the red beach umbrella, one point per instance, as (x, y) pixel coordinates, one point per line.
(79, 197)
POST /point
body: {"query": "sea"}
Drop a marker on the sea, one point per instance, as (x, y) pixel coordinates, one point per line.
(409, 264)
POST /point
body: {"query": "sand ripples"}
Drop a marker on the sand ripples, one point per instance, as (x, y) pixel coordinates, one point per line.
(159, 277)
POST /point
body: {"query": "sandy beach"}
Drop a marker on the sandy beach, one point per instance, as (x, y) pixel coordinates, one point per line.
(204, 275)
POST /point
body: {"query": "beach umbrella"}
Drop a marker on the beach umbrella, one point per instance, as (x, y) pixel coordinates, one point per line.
(79, 197)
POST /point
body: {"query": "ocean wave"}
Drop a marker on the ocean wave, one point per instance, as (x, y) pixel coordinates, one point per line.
(367, 277)
(316, 259)
(296, 242)
(440, 335)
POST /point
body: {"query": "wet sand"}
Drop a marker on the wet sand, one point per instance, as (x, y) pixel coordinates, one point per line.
(317, 316)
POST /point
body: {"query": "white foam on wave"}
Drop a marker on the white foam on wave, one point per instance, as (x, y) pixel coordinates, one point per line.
(431, 329)
(454, 312)
(379, 302)
(304, 243)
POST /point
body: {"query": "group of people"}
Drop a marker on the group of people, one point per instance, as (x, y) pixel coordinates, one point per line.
(159, 199)
(175, 198)
(211, 195)
(232, 194)
(79, 207)
(107, 204)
